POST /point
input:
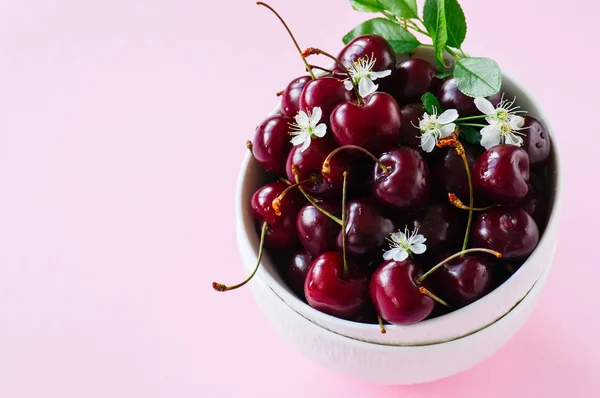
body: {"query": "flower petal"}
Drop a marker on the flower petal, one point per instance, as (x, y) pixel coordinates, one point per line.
(418, 248)
(301, 119)
(428, 142)
(305, 145)
(448, 116)
(514, 139)
(389, 254)
(348, 85)
(490, 136)
(380, 75)
(447, 130)
(396, 236)
(298, 139)
(400, 255)
(418, 239)
(320, 130)
(315, 116)
(516, 122)
(366, 87)
(484, 106)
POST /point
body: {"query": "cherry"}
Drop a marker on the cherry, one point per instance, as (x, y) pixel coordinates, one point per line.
(536, 141)
(508, 230)
(366, 228)
(280, 231)
(271, 144)
(375, 125)
(409, 134)
(396, 295)
(330, 291)
(414, 77)
(406, 183)
(451, 173)
(326, 93)
(309, 162)
(369, 46)
(316, 231)
(295, 274)
(452, 98)
(290, 100)
(441, 225)
(464, 279)
(501, 174)
(536, 205)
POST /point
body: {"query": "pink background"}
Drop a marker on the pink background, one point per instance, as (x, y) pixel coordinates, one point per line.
(122, 127)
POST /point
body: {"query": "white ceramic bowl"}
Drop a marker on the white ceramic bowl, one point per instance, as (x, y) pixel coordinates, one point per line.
(428, 350)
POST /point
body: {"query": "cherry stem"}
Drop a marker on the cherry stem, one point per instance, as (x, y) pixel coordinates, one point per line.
(276, 204)
(312, 200)
(460, 119)
(317, 51)
(381, 327)
(452, 257)
(308, 68)
(280, 93)
(459, 204)
(249, 146)
(453, 142)
(428, 293)
(326, 168)
(344, 223)
(472, 124)
(321, 69)
(219, 287)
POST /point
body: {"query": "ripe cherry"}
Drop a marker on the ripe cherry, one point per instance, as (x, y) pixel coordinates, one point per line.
(414, 78)
(272, 145)
(290, 100)
(369, 46)
(295, 273)
(536, 141)
(317, 232)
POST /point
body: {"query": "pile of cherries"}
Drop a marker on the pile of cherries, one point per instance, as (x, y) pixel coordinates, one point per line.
(369, 174)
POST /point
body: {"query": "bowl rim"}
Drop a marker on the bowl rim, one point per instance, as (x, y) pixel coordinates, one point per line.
(283, 293)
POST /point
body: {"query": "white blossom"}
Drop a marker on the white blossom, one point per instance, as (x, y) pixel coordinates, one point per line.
(402, 244)
(504, 123)
(363, 75)
(307, 127)
(434, 128)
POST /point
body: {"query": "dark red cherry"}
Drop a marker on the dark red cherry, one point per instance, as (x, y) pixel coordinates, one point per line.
(536, 141)
(281, 232)
(440, 224)
(330, 291)
(272, 145)
(463, 280)
(396, 295)
(414, 78)
(326, 93)
(536, 205)
(452, 175)
(451, 97)
(501, 174)
(296, 271)
(366, 228)
(290, 100)
(409, 134)
(316, 231)
(508, 230)
(309, 163)
(375, 125)
(407, 183)
(369, 46)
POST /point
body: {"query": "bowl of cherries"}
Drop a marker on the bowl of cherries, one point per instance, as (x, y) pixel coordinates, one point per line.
(397, 212)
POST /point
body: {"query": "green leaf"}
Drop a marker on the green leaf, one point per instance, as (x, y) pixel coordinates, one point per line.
(401, 39)
(444, 75)
(456, 23)
(434, 16)
(401, 8)
(431, 103)
(478, 77)
(470, 134)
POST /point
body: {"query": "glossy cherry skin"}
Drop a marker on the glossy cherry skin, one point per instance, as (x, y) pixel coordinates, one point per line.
(451, 97)
(452, 175)
(375, 125)
(369, 46)
(463, 280)
(508, 230)
(366, 228)
(407, 182)
(272, 145)
(536, 141)
(326, 93)
(281, 231)
(502, 174)
(396, 295)
(328, 290)
(317, 232)
(290, 100)
(409, 134)
(536, 205)
(440, 224)
(309, 163)
(296, 271)
(414, 77)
